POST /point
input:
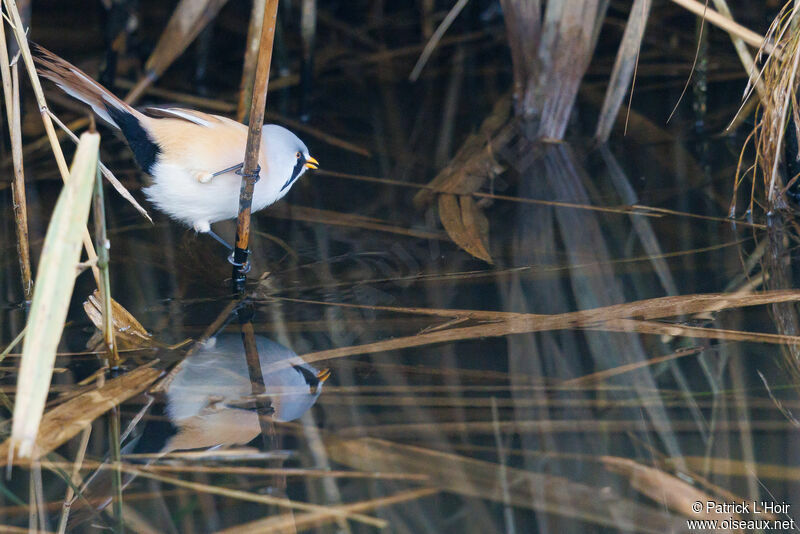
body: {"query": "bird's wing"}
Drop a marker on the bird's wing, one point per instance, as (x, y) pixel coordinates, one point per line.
(196, 117)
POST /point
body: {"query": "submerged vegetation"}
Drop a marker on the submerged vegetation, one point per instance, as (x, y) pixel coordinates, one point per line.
(518, 295)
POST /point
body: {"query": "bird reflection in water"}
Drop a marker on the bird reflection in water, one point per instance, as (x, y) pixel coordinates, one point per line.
(210, 398)
(210, 405)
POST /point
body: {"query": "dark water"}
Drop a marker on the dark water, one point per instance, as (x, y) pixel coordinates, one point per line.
(486, 429)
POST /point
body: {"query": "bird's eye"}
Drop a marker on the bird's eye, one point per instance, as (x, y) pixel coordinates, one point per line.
(297, 155)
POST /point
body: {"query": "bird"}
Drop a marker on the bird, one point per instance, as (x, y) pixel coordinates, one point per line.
(191, 157)
(209, 399)
(209, 405)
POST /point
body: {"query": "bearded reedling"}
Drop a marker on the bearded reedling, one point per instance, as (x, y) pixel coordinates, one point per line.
(191, 157)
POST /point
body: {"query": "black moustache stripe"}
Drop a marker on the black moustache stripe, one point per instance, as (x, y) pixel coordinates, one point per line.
(295, 172)
(310, 378)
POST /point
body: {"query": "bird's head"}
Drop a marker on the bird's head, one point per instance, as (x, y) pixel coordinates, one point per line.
(313, 378)
(287, 156)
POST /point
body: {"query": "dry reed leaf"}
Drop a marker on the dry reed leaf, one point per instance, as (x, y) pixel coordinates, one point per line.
(507, 323)
(675, 330)
(55, 279)
(479, 479)
(665, 489)
(66, 420)
(466, 225)
(299, 522)
(624, 69)
(546, 83)
(475, 222)
(527, 21)
(552, 82)
(130, 334)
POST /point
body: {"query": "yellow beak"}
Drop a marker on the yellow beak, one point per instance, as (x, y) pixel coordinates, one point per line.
(324, 375)
(311, 163)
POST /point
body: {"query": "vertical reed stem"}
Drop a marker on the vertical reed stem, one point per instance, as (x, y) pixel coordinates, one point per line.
(10, 77)
(18, 191)
(263, 407)
(103, 246)
(250, 59)
(251, 156)
(75, 478)
(250, 174)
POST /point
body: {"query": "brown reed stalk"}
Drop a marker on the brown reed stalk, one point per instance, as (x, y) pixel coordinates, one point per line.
(10, 78)
(18, 191)
(256, 377)
(251, 168)
(250, 59)
(250, 174)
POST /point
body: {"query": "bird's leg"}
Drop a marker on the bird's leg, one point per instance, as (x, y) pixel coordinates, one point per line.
(218, 238)
(204, 227)
(204, 176)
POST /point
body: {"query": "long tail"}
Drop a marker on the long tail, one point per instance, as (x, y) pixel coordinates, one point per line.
(108, 107)
(79, 85)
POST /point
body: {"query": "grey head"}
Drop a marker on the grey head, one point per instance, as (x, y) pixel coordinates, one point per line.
(286, 154)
